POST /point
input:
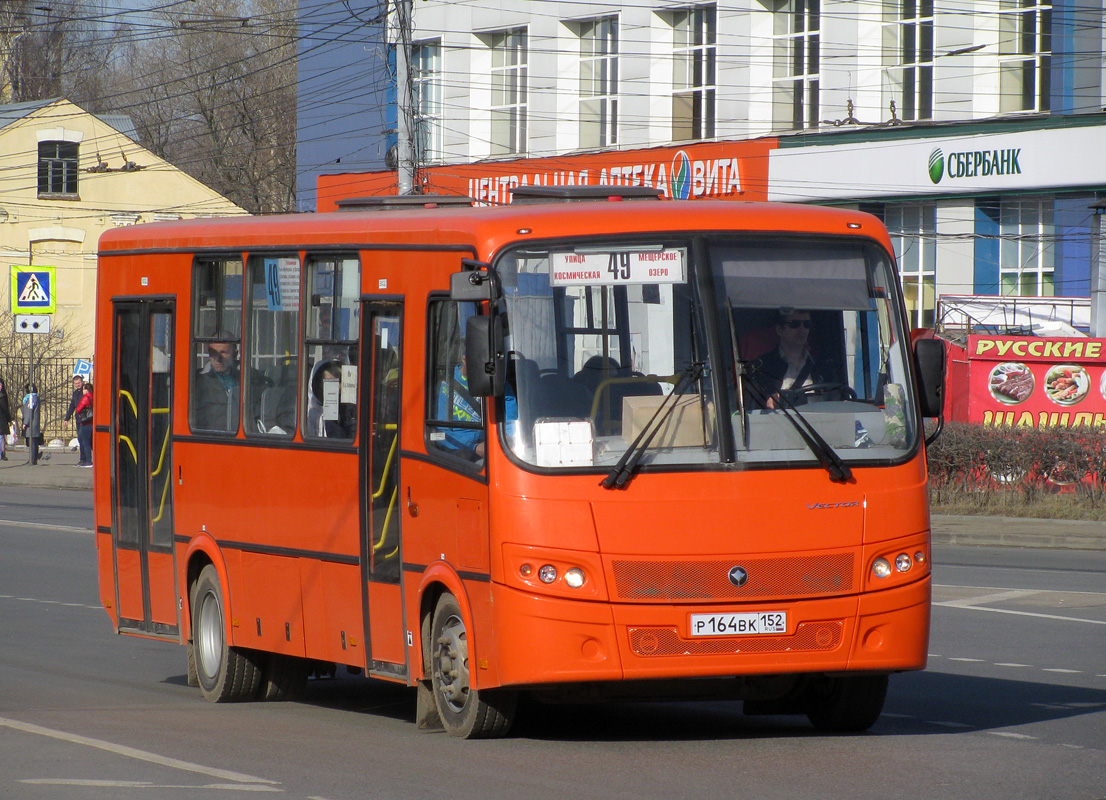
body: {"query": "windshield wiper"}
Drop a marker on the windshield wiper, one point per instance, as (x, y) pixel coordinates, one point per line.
(838, 470)
(624, 470)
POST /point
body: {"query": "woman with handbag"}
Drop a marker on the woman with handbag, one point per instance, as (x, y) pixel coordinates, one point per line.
(6, 420)
(83, 415)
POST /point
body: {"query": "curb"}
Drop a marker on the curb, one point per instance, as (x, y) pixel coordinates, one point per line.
(1060, 534)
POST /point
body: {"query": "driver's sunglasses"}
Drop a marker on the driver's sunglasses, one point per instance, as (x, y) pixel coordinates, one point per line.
(794, 324)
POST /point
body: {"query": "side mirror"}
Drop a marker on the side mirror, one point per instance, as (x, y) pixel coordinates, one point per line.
(485, 357)
(929, 364)
(470, 286)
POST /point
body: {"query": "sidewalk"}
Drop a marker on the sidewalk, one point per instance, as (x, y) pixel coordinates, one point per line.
(60, 471)
(56, 469)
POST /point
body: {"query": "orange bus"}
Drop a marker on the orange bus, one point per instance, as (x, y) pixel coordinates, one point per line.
(625, 448)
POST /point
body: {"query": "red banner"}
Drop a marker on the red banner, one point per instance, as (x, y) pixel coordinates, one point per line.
(1036, 382)
(718, 170)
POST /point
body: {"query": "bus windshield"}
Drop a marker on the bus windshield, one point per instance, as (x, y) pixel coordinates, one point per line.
(724, 350)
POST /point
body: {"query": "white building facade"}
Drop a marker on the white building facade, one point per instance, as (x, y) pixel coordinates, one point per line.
(862, 103)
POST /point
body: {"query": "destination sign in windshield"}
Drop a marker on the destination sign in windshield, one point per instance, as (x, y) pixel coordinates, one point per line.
(618, 267)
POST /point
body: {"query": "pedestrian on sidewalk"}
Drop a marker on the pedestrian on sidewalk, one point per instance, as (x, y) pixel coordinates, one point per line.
(31, 412)
(83, 414)
(78, 393)
(6, 420)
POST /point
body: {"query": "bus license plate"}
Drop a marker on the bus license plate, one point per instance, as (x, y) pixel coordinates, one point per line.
(739, 624)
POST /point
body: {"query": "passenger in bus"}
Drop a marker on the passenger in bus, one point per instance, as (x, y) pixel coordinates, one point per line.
(790, 366)
(327, 416)
(217, 389)
(455, 402)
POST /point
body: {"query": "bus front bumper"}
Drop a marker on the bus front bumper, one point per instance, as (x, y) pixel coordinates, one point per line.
(545, 641)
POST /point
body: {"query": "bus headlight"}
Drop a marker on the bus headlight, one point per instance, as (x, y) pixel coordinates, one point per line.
(547, 574)
(881, 567)
(903, 562)
(575, 577)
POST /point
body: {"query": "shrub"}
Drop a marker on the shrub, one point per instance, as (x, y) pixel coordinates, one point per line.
(981, 468)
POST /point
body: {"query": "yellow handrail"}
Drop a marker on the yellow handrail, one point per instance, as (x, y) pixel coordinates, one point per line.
(130, 444)
(134, 405)
(387, 464)
(387, 519)
(605, 384)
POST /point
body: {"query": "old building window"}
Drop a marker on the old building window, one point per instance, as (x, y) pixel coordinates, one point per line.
(57, 168)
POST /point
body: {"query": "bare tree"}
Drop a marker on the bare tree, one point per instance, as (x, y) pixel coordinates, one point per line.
(217, 97)
(210, 84)
(55, 50)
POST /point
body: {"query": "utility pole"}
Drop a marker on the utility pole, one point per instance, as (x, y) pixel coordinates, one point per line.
(405, 152)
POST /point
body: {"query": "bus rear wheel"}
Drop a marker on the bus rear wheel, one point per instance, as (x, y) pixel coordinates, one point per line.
(226, 674)
(464, 711)
(847, 704)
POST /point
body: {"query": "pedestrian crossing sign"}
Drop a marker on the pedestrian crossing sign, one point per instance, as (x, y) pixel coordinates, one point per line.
(33, 290)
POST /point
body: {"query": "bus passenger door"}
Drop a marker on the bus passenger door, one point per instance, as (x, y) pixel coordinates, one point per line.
(381, 551)
(141, 468)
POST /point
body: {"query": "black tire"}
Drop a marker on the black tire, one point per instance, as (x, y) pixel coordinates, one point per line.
(192, 679)
(464, 711)
(226, 674)
(283, 678)
(847, 704)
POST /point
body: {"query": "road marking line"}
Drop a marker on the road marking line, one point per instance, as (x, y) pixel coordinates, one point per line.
(1012, 594)
(977, 660)
(1065, 671)
(44, 526)
(950, 724)
(1012, 664)
(49, 602)
(225, 787)
(957, 604)
(131, 752)
(1004, 590)
(1009, 735)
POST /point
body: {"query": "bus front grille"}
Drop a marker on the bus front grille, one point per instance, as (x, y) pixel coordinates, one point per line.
(694, 581)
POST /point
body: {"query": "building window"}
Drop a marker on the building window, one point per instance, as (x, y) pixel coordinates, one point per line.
(599, 82)
(57, 168)
(909, 37)
(426, 66)
(1025, 54)
(913, 230)
(693, 76)
(509, 68)
(797, 31)
(1026, 248)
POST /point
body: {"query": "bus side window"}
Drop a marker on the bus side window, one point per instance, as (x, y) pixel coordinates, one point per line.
(272, 344)
(215, 389)
(333, 289)
(454, 418)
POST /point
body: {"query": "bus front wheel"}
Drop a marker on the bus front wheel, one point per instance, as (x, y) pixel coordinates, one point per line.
(847, 704)
(464, 711)
(225, 674)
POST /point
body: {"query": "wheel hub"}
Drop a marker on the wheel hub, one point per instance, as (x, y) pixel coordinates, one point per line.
(453, 664)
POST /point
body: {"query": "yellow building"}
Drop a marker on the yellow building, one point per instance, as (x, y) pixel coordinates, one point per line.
(66, 176)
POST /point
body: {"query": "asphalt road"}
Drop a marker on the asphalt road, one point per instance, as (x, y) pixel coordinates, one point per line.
(1013, 705)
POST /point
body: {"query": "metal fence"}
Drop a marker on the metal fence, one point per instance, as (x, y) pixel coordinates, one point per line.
(54, 379)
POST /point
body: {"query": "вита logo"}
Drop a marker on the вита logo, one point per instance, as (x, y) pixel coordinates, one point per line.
(936, 165)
